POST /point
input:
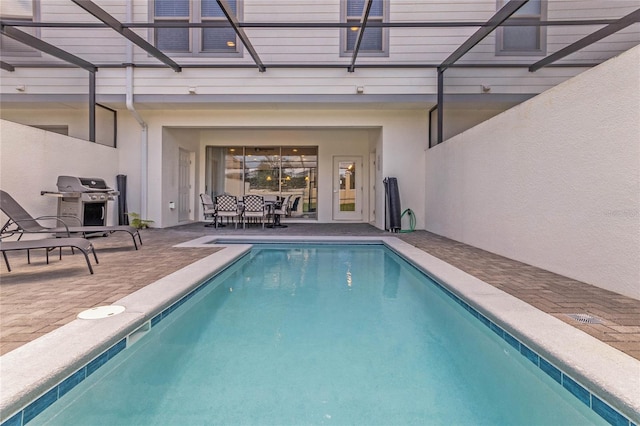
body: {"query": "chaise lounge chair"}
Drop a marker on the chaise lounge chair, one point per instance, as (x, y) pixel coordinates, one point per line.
(48, 244)
(25, 223)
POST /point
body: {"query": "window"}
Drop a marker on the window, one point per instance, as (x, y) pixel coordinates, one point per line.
(374, 39)
(219, 40)
(19, 10)
(523, 39)
(269, 171)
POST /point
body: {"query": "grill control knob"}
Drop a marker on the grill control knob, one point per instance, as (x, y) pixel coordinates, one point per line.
(93, 197)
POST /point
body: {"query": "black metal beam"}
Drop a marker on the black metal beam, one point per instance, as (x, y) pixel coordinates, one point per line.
(45, 47)
(226, 9)
(502, 15)
(92, 107)
(379, 65)
(363, 26)
(620, 24)
(7, 67)
(440, 105)
(112, 22)
(377, 24)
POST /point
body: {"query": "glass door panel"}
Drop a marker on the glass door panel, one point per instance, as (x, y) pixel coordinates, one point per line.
(233, 172)
(262, 171)
(299, 171)
(347, 188)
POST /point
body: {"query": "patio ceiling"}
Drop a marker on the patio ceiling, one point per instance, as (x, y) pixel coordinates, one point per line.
(607, 26)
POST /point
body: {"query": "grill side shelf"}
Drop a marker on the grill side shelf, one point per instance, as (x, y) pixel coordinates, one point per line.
(61, 194)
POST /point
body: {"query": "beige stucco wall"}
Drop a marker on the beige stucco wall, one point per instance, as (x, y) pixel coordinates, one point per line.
(32, 159)
(553, 182)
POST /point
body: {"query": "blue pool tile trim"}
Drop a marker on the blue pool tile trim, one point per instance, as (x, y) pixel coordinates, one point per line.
(97, 363)
(71, 382)
(604, 410)
(551, 370)
(529, 354)
(577, 390)
(39, 405)
(162, 315)
(36, 407)
(15, 420)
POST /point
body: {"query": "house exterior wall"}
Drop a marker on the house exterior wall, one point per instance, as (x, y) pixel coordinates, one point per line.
(411, 46)
(553, 182)
(32, 159)
(400, 136)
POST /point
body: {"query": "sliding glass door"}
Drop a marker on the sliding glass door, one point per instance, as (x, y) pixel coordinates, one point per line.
(268, 171)
(299, 179)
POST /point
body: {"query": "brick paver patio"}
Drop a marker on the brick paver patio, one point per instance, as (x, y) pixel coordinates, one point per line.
(37, 298)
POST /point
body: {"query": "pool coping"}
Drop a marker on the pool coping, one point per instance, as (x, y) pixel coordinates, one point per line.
(602, 369)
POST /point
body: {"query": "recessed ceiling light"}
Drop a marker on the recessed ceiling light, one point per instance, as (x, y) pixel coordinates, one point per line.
(231, 43)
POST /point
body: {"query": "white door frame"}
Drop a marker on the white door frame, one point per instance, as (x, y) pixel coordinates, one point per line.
(355, 193)
(372, 187)
(185, 185)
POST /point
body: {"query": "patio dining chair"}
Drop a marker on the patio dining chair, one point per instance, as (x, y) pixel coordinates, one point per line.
(227, 206)
(281, 209)
(208, 209)
(254, 208)
(20, 222)
(295, 205)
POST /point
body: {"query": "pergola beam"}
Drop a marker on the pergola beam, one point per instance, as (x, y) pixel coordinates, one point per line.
(112, 22)
(363, 25)
(302, 25)
(494, 22)
(231, 17)
(620, 24)
(45, 47)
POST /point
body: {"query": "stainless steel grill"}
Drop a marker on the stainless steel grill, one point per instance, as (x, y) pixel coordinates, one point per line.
(83, 198)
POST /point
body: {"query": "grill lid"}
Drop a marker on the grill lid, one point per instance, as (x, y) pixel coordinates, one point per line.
(78, 184)
(94, 183)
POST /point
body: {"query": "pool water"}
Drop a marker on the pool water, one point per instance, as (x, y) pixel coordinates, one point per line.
(297, 335)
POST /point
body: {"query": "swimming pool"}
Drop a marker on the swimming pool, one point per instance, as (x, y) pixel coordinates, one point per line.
(391, 375)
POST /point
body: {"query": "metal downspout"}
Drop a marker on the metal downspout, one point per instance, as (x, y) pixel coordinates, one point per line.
(144, 135)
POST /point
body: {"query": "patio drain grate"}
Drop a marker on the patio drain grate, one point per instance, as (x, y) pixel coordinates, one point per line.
(585, 318)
